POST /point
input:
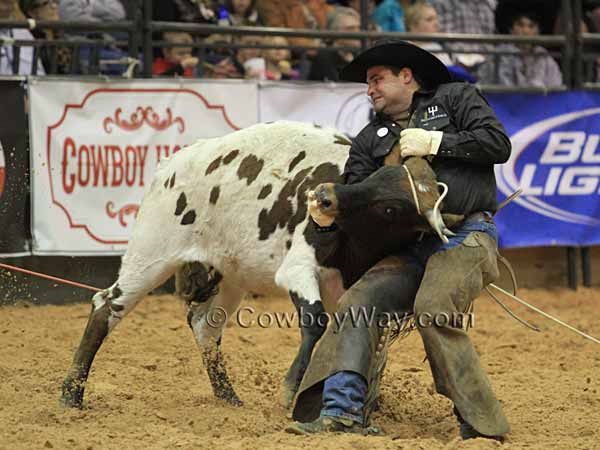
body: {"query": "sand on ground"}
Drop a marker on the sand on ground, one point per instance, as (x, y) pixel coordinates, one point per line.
(149, 390)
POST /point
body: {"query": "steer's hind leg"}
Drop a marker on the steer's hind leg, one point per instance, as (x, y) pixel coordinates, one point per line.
(210, 303)
(109, 306)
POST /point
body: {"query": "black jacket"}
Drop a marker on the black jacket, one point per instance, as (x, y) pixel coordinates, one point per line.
(473, 141)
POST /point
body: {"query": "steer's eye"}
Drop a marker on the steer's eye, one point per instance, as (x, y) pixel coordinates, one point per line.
(389, 211)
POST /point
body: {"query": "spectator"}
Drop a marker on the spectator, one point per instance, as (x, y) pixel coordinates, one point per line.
(98, 11)
(289, 14)
(278, 60)
(320, 10)
(176, 60)
(389, 15)
(251, 59)
(221, 62)
(8, 52)
(242, 13)
(92, 10)
(355, 5)
(532, 65)
(422, 18)
(198, 11)
(327, 63)
(56, 60)
(219, 66)
(466, 16)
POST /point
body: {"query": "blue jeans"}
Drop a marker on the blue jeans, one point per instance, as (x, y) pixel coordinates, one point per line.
(344, 392)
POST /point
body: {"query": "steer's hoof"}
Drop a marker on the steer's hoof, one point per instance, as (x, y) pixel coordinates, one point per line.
(231, 398)
(235, 402)
(72, 394)
(72, 399)
(286, 397)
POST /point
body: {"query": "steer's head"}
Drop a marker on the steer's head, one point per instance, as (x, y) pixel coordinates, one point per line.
(381, 204)
(385, 204)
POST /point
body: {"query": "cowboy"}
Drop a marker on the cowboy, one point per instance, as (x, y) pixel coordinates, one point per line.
(454, 128)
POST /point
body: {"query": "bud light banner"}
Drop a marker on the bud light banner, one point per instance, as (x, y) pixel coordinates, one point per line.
(14, 171)
(556, 162)
(95, 147)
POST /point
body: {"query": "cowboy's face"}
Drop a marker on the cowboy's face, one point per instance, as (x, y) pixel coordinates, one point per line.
(390, 94)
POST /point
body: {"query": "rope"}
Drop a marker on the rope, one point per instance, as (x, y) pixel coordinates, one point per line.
(509, 311)
(49, 277)
(545, 314)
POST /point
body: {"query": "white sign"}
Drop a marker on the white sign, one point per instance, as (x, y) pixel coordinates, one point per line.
(344, 106)
(95, 147)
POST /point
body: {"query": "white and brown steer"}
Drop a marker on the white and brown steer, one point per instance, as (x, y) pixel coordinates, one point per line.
(228, 216)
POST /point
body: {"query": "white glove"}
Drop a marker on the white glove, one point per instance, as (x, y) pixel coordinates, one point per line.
(418, 142)
(320, 219)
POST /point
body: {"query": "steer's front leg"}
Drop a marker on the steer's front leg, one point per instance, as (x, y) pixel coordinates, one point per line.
(313, 322)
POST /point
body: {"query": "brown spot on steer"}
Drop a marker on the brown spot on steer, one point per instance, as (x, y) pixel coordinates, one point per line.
(214, 195)
(181, 204)
(230, 156)
(169, 182)
(265, 191)
(249, 168)
(213, 166)
(282, 209)
(282, 213)
(299, 157)
(189, 218)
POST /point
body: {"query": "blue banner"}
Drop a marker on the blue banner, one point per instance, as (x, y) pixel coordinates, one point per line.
(555, 160)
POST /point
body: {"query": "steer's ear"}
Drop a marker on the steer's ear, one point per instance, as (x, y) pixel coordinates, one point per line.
(393, 158)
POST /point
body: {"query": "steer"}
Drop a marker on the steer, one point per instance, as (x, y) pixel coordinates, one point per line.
(228, 215)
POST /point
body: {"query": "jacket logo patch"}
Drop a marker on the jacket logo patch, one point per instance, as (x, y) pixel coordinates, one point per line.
(433, 112)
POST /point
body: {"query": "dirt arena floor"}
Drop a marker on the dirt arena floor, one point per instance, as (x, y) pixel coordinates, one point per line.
(148, 389)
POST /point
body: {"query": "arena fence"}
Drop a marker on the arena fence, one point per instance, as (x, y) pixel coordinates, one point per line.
(573, 49)
(137, 41)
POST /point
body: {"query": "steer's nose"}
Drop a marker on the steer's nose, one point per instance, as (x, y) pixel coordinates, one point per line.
(325, 196)
(322, 197)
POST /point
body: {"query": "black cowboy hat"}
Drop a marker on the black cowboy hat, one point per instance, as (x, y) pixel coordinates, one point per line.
(429, 69)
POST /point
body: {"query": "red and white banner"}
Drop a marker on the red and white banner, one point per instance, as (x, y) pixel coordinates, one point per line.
(95, 147)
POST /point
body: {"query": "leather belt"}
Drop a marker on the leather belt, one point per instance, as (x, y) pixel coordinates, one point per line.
(480, 216)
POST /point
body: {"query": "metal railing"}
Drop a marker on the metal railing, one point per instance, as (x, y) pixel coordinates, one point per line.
(571, 47)
(574, 49)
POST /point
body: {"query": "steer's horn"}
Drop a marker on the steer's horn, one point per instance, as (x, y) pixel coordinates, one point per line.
(434, 217)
